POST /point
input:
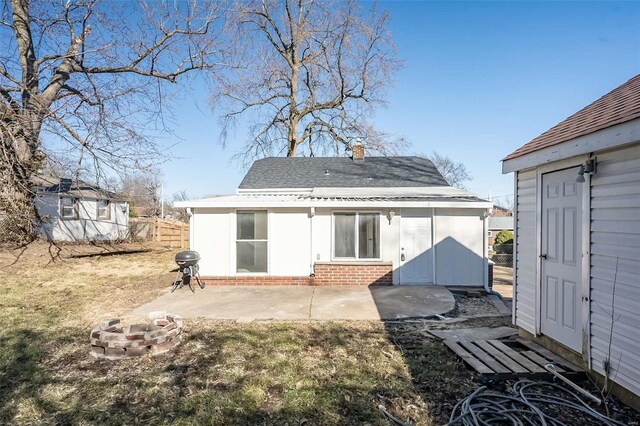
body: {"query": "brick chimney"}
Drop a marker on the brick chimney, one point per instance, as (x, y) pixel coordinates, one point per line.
(358, 151)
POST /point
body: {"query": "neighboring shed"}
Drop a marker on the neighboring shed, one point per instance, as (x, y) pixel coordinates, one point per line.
(78, 211)
(577, 236)
(340, 220)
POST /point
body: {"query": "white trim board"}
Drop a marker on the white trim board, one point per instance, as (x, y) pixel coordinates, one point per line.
(611, 137)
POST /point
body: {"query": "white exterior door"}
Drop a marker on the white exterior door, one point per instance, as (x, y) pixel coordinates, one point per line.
(416, 245)
(561, 258)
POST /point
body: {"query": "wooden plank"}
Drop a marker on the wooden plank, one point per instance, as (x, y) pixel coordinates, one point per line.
(548, 354)
(525, 362)
(539, 360)
(505, 360)
(467, 357)
(484, 357)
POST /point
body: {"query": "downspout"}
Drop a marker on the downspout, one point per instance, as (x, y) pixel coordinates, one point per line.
(312, 213)
(485, 251)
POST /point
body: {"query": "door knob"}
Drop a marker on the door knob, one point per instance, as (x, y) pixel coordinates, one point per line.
(543, 256)
(402, 257)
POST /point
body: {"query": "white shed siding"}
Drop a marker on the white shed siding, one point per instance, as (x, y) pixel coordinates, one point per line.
(459, 247)
(289, 243)
(526, 257)
(211, 238)
(615, 238)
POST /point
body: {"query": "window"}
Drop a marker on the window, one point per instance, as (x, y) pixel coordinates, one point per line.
(251, 241)
(103, 208)
(356, 235)
(68, 208)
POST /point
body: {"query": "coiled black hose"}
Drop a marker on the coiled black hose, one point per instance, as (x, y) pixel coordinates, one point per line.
(527, 406)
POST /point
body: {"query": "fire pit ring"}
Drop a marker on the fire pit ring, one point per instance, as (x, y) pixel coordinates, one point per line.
(111, 340)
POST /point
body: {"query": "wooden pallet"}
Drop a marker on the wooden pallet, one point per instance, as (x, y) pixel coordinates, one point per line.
(518, 357)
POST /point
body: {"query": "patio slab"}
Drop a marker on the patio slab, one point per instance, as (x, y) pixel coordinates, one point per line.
(303, 303)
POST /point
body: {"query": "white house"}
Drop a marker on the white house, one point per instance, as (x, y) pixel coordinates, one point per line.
(342, 220)
(577, 235)
(77, 211)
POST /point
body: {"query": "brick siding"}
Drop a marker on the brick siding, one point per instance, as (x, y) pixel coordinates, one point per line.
(325, 274)
(353, 274)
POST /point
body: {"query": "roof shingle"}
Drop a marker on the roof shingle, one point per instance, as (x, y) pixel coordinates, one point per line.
(341, 172)
(618, 106)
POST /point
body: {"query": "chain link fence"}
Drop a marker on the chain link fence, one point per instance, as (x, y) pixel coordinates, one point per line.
(502, 254)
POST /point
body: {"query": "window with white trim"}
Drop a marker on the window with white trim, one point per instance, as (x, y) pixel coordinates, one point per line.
(356, 235)
(68, 208)
(103, 207)
(251, 241)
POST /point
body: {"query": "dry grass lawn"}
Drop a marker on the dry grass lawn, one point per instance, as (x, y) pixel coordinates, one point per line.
(223, 373)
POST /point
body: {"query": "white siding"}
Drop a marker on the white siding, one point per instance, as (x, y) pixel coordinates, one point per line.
(615, 234)
(526, 258)
(459, 242)
(459, 246)
(86, 227)
(211, 238)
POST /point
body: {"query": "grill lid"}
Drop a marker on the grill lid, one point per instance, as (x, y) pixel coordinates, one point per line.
(187, 256)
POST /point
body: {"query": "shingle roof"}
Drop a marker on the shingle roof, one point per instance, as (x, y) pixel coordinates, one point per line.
(76, 188)
(341, 172)
(618, 106)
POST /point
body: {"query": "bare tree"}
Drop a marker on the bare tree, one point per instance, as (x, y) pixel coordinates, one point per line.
(180, 213)
(313, 73)
(454, 172)
(142, 191)
(86, 79)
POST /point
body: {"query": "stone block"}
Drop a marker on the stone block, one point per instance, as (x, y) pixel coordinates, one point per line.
(108, 337)
(135, 336)
(169, 326)
(153, 334)
(136, 328)
(161, 322)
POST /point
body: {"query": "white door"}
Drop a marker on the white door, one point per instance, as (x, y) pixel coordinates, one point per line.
(561, 258)
(416, 257)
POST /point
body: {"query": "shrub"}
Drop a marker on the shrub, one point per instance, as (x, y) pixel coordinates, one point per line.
(503, 242)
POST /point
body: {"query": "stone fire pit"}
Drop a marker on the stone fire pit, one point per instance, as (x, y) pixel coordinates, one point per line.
(111, 340)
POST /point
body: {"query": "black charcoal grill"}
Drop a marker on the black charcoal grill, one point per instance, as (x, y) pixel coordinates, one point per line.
(187, 262)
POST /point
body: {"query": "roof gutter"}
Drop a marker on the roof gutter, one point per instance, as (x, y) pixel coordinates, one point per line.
(334, 204)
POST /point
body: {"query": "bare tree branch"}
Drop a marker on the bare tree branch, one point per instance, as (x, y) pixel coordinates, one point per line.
(84, 80)
(314, 73)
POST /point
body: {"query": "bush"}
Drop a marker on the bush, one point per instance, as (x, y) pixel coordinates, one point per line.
(503, 242)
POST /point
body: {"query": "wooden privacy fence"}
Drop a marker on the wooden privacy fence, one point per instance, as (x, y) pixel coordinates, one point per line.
(171, 233)
(167, 232)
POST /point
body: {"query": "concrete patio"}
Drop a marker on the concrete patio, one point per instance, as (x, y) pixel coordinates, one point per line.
(303, 303)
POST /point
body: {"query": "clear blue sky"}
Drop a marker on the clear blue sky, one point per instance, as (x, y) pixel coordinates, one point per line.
(480, 79)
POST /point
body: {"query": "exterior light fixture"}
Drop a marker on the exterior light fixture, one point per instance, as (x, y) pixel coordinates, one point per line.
(390, 216)
(589, 167)
(580, 177)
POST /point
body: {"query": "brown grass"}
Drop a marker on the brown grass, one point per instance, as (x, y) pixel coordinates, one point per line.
(223, 373)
